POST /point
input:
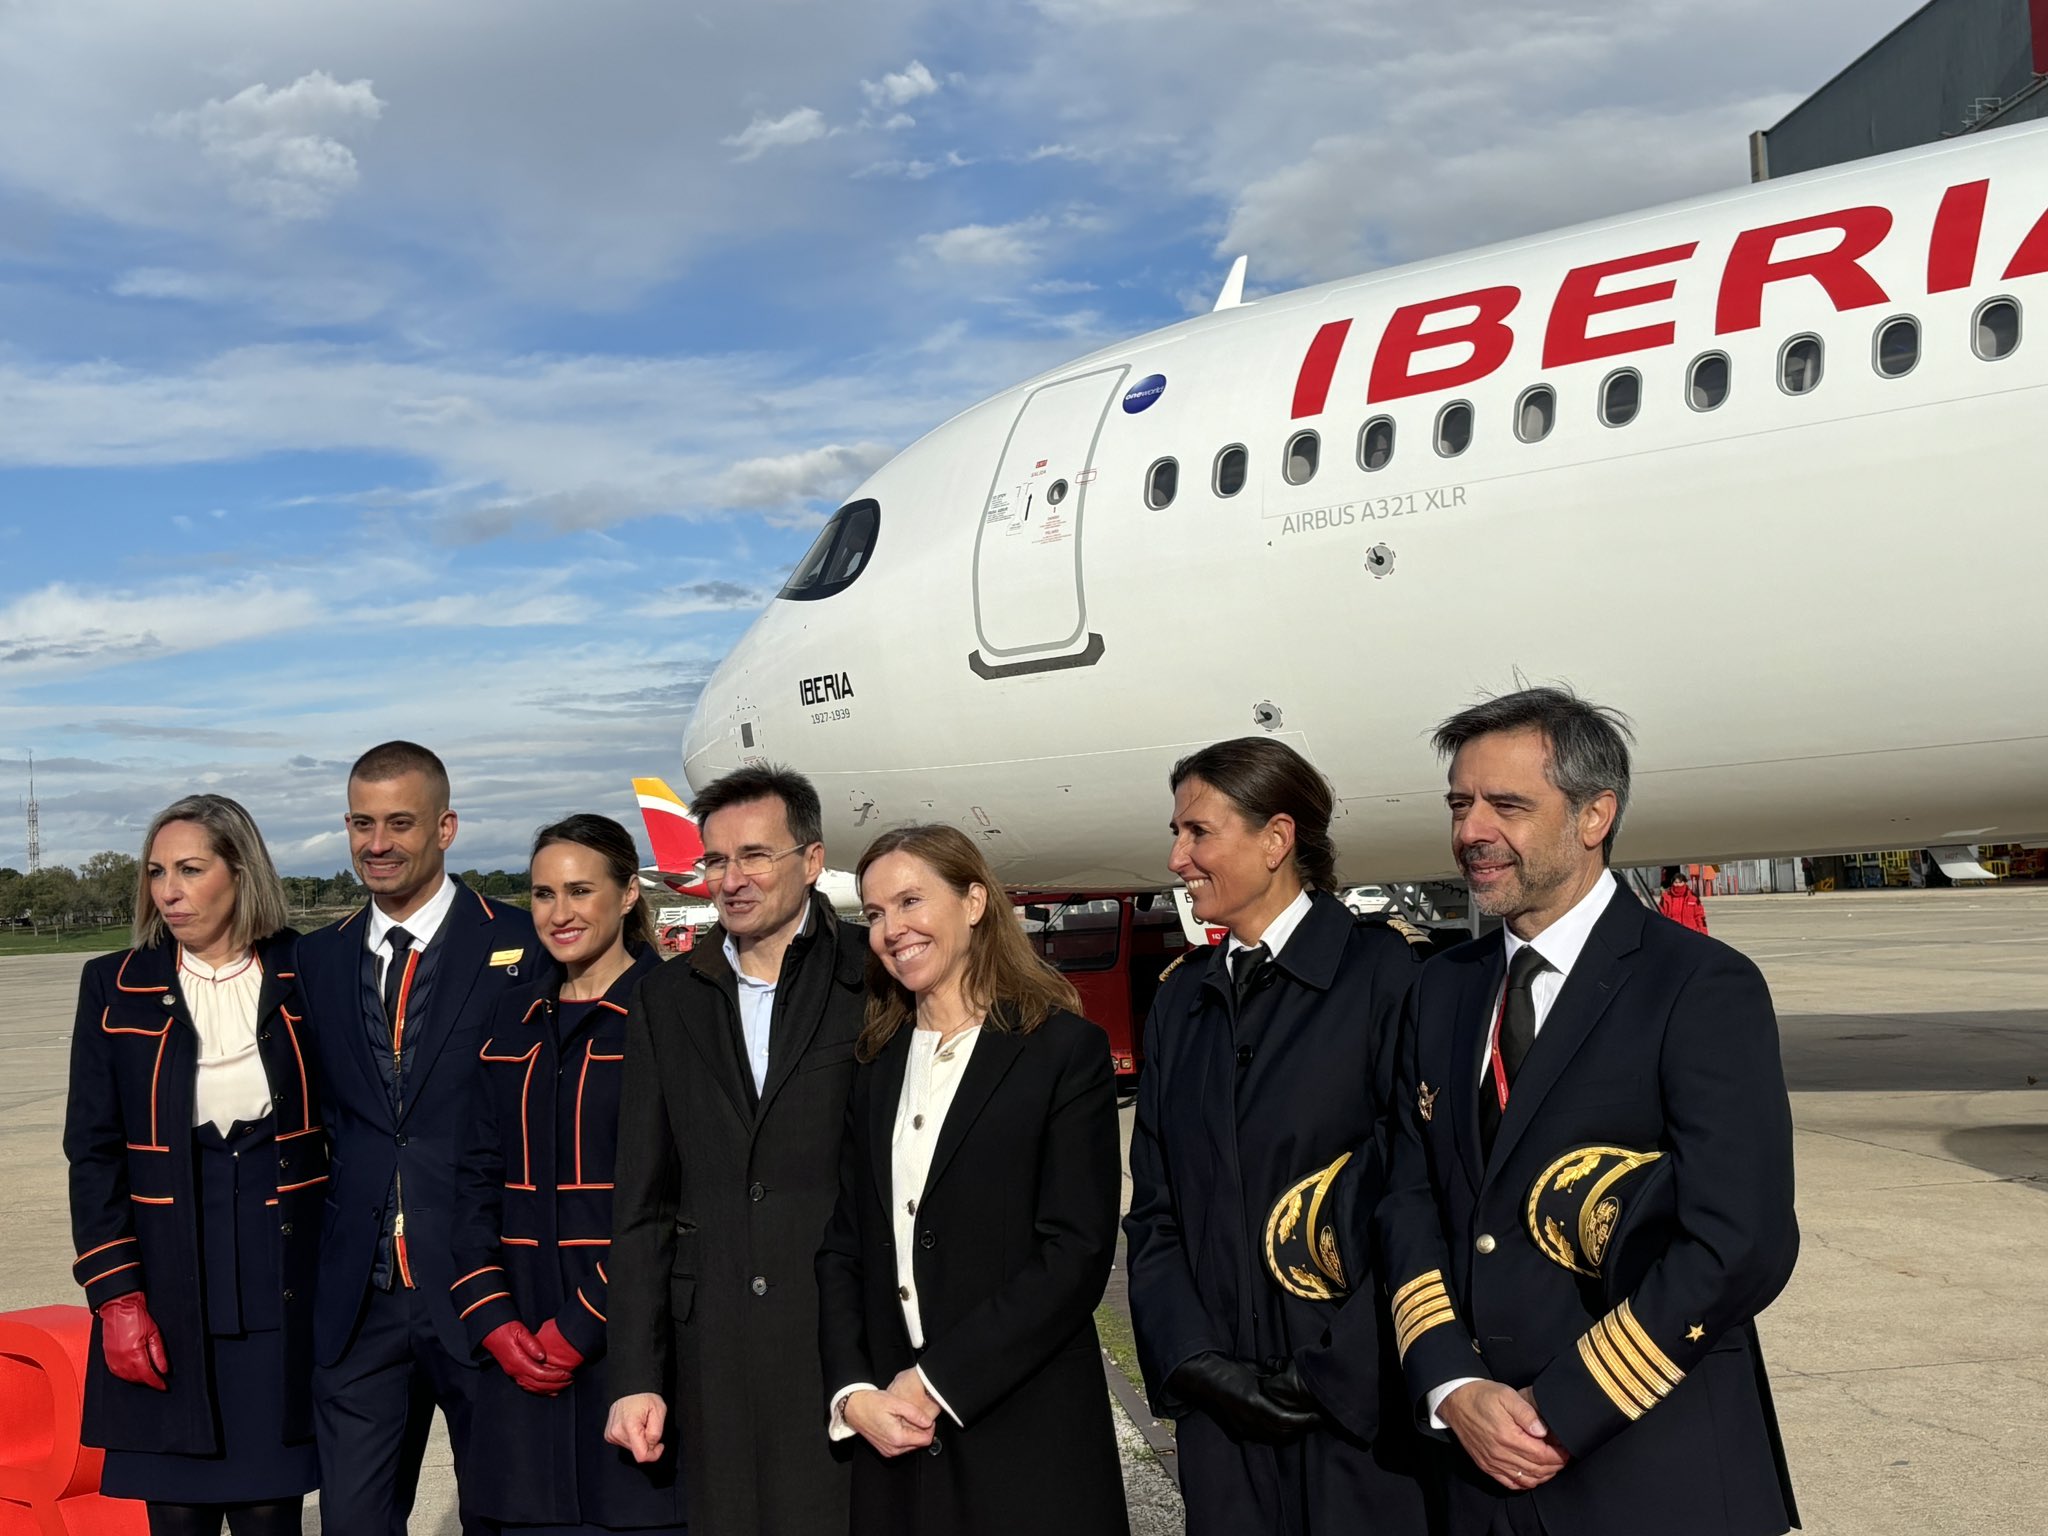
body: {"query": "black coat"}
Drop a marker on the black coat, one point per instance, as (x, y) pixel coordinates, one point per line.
(486, 950)
(1017, 1231)
(534, 1220)
(716, 1221)
(1232, 1111)
(1660, 1039)
(134, 1216)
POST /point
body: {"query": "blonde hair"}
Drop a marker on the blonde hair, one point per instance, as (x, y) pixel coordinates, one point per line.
(1005, 975)
(260, 908)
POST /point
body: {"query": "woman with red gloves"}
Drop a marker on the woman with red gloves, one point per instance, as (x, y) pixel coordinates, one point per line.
(198, 1168)
(534, 1215)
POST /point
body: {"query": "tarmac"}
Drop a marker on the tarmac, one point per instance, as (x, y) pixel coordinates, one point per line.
(1909, 1355)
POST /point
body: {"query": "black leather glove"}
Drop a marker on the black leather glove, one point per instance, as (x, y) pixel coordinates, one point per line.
(1285, 1389)
(1230, 1392)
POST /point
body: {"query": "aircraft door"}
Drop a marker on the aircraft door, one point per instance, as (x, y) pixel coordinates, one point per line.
(1030, 608)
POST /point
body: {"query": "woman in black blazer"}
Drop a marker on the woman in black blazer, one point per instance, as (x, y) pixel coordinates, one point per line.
(198, 1170)
(534, 1206)
(976, 1222)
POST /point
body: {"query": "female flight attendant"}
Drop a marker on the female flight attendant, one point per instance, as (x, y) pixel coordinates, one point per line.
(197, 1174)
(976, 1221)
(1267, 1059)
(535, 1206)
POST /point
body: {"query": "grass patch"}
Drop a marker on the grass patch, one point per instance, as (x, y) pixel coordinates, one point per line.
(71, 941)
(1114, 1329)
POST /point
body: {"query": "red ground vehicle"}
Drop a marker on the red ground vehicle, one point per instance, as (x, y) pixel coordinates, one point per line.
(1113, 949)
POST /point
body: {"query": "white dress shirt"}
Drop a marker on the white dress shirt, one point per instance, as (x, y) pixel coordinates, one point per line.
(232, 1084)
(422, 925)
(1278, 931)
(1560, 945)
(757, 1007)
(931, 1077)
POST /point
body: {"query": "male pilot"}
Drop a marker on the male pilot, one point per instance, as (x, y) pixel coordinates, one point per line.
(1591, 1191)
(739, 1057)
(397, 993)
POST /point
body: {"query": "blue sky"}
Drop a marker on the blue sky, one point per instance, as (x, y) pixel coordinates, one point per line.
(473, 371)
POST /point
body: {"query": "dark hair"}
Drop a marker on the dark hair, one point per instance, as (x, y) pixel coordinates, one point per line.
(612, 843)
(395, 759)
(1588, 743)
(765, 781)
(1265, 778)
(231, 832)
(1002, 967)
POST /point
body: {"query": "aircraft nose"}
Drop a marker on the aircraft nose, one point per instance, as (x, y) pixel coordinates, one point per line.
(707, 744)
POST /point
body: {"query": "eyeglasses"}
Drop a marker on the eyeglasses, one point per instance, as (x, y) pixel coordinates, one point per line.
(752, 865)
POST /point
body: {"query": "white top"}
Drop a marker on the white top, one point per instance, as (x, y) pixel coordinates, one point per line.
(1561, 944)
(931, 1077)
(422, 925)
(757, 1006)
(1278, 931)
(232, 1084)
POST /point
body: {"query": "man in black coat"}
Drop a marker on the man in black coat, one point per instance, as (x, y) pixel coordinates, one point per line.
(397, 994)
(738, 1063)
(1591, 1193)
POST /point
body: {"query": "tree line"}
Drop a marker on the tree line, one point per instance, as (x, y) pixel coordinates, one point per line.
(101, 892)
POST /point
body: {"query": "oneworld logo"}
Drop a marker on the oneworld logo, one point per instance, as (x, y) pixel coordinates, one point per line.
(1143, 393)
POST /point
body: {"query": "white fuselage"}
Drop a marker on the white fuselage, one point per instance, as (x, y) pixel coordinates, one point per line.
(1821, 609)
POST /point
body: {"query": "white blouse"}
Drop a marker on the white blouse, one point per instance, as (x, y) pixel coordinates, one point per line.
(232, 1083)
(931, 1077)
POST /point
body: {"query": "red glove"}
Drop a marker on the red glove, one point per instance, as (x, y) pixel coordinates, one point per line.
(559, 1350)
(520, 1357)
(132, 1343)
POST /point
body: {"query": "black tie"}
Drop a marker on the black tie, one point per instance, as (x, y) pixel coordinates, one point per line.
(1244, 970)
(1517, 1034)
(394, 974)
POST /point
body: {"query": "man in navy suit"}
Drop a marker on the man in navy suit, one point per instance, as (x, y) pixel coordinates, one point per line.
(398, 993)
(1590, 1197)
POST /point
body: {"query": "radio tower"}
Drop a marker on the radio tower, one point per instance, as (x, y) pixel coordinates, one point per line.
(35, 821)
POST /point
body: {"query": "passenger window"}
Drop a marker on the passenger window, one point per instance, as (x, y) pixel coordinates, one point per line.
(1536, 413)
(839, 554)
(1232, 465)
(1376, 443)
(1304, 452)
(1897, 347)
(1799, 365)
(1706, 382)
(1454, 428)
(1161, 481)
(1997, 331)
(1621, 396)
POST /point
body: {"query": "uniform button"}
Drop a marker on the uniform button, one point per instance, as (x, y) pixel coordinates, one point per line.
(284, 1229)
(910, 1206)
(1244, 1055)
(263, 1034)
(759, 1285)
(1485, 1243)
(284, 1164)
(401, 1138)
(170, 1001)
(917, 1122)
(756, 1192)
(903, 1293)
(926, 1240)
(290, 1296)
(935, 1447)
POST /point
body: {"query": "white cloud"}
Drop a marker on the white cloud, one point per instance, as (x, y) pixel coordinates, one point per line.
(988, 245)
(61, 627)
(810, 474)
(279, 149)
(901, 87)
(1057, 287)
(801, 126)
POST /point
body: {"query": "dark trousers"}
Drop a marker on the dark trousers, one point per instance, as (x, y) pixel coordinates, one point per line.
(372, 1410)
(1512, 1517)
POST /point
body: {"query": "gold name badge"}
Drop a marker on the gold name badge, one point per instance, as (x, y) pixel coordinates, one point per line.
(506, 956)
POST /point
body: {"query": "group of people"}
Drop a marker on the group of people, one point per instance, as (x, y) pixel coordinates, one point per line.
(803, 1233)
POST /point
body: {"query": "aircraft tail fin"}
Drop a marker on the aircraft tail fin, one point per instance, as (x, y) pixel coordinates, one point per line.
(671, 829)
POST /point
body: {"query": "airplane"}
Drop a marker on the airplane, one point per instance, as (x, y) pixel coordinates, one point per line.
(1758, 468)
(678, 845)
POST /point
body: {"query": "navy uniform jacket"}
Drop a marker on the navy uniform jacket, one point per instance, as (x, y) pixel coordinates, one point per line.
(1231, 1112)
(1660, 1039)
(534, 1222)
(134, 1205)
(486, 950)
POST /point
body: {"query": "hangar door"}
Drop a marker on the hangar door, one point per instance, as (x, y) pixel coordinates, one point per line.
(1030, 609)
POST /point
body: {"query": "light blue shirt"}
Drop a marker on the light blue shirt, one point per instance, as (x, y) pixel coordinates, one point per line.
(757, 1008)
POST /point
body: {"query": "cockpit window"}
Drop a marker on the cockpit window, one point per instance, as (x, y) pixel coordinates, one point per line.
(839, 555)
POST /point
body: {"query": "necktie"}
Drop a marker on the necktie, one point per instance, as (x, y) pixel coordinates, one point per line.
(1517, 1034)
(1244, 970)
(394, 974)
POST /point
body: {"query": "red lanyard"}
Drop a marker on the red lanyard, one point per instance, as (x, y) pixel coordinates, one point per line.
(1493, 1057)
